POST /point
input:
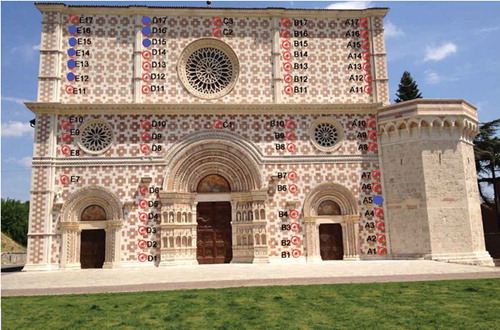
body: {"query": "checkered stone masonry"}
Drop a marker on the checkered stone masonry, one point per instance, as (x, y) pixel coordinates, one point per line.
(114, 38)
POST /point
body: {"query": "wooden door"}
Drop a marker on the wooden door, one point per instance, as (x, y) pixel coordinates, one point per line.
(214, 237)
(330, 242)
(92, 248)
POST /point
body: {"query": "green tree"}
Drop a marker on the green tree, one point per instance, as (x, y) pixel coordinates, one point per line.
(407, 89)
(487, 154)
(15, 216)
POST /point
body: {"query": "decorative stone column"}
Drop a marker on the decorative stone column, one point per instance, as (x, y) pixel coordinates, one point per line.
(350, 233)
(178, 229)
(312, 241)
(70, 245)
(113, 244)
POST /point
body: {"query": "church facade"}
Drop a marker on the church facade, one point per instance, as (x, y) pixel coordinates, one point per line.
(171, 136)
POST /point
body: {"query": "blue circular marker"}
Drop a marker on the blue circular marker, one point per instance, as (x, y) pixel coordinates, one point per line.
(71, 52)
(146, 30)
(146, 42)
(378, 200)
(71, 64)
(70, 76)
(72, 42)
(146, 20)
(72, 29)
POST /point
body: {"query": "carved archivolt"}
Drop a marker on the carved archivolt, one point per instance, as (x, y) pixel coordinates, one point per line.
(212, 156)
(334, 192)
(91, 195)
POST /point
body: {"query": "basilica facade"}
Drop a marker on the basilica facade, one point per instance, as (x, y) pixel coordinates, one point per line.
(173, 135)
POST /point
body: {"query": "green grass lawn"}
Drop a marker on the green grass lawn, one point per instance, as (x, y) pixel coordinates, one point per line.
(464, 304)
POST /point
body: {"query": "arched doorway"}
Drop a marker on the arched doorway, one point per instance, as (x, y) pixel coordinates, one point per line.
(213, 231)
(331, 218)
(331, 244)
(93, 241)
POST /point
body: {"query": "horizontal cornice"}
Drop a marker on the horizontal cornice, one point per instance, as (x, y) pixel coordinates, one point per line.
(197, 109)
(209, 11)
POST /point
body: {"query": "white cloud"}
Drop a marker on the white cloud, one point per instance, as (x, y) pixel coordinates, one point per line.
(392, 31)
(16, 129)
(439, 53)
(488, 29)
(25, 161)
(36, 47)
(434, 78)
(350, 5)
(14, 99)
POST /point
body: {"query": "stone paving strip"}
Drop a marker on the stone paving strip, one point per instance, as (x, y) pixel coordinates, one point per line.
(234, 275)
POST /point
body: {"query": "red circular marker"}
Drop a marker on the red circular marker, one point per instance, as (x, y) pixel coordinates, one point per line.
(145, 124)
(217, 21)
(145, 136)
(380, 225)
(73, 19)
(143, 217)
(142, 257)
(372, 135)
(366, 56)
(293, 188)
(290, 124)
(294, 214)
(65, 149)
(286, 56)
(373, 146)
(376, 175)
(295, 240)
(379, 212)
(368, 78)
(365, 33)
(367, 66)
(217, 32)
(286, 22)
(66, 137)
(363, 22)
(381, 238)
(368, 89)
(371, 123)
(290, 135)
(69, 89)
(64, 179)
(291, 147)
(287, 66)
(288, 79)
(365, 44)
(285, 34)
(292, 175)
(142, 230)
(286, 44)
(145, 89)
(295, 227)
(146, 66)
(288, 90)
(145, 148)
(142, 244)
(146, 54)
(66, 124)
(143, 203)
(296, 253)
(143, 190)
(218, 124)
(377, 187)
(382, 251)
(146, 77)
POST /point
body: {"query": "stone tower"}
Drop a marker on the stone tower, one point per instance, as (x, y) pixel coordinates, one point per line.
(429, 176)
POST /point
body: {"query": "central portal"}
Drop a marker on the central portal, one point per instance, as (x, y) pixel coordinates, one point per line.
(214, 237)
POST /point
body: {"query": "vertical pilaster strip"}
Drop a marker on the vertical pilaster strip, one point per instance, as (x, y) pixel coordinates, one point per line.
(137, 60)
(275, 58)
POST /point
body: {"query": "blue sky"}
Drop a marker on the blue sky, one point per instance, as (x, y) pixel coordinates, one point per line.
(451, 49)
